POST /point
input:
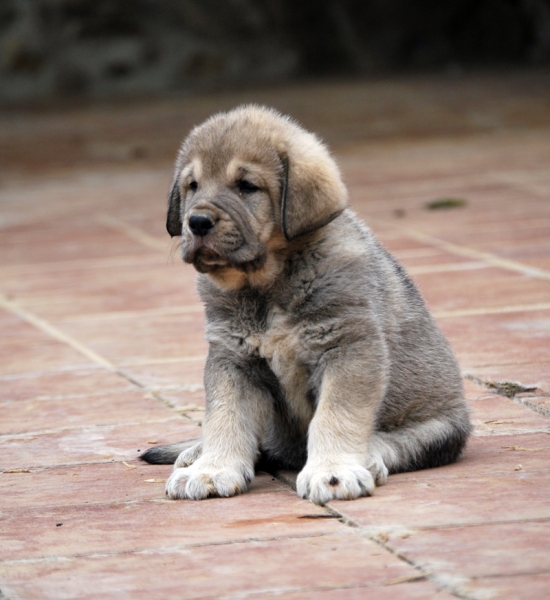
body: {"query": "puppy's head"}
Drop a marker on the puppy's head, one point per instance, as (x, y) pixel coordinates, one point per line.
(246, 182)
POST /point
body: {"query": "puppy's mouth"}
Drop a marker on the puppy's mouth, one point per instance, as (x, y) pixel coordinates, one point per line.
(207, 260)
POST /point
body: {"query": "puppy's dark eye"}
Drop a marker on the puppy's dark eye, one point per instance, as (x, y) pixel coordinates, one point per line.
(245, 187)
(193, 186)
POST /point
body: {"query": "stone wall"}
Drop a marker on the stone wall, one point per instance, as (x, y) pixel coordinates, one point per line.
(100, 48)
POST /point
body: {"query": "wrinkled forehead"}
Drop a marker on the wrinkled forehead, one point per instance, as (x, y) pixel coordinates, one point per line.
(230, 150)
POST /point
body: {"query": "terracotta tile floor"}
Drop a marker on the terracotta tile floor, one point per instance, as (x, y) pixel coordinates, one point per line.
(102, 350)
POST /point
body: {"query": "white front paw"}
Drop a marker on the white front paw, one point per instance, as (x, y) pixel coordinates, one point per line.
(323, 483)
(205, 479)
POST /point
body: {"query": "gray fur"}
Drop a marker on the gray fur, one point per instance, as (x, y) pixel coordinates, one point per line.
(322, 355)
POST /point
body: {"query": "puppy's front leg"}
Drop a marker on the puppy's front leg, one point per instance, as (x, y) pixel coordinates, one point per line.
(353, 385)
(236, 413)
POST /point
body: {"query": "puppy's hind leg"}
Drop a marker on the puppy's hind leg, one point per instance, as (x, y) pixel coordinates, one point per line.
(168, 454)
(424, 445)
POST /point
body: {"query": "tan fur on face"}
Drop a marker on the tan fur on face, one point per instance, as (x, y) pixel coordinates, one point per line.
(300, 190)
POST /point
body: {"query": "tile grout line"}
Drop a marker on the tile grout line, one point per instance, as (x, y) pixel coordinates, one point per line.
(132, 232)
(447, 267)
(351, 523)
(161, 549)
(487, 257)
(79, 263)
(534, 407)
(90, 354)
(55, 430)
(56, 333)
(423, 573)
(192, 387)
(513, 394)
(144, 238)
(369, 533)
(188, 309)
(490, 310)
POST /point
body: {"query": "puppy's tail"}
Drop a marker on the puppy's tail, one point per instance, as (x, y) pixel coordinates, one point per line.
(425, 445)
(167, 454)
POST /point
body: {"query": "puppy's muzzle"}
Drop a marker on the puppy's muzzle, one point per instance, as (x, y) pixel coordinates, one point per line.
(201, 224)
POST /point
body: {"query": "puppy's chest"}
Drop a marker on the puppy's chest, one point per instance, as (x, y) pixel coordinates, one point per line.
(280, 344)
(276, 339)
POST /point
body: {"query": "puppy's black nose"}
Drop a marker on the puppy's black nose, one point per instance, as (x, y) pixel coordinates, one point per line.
(200, 224)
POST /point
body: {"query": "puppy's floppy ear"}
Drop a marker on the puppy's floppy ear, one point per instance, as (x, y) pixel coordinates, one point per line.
(173, 219)
(312, 191)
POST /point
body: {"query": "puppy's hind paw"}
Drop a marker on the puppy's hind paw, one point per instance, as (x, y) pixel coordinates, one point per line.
(189, 456)
(378, 469)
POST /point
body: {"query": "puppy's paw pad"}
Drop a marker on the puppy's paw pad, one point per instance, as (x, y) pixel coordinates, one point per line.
(321, 485)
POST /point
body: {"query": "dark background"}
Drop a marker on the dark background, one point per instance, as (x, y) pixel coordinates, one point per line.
(53, 49)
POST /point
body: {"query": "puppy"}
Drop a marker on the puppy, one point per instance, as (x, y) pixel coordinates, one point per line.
(323, 357)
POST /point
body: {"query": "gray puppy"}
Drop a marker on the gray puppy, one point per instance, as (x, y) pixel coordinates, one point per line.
(322, 355)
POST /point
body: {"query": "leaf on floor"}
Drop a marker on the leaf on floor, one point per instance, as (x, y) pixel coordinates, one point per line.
(445, 203)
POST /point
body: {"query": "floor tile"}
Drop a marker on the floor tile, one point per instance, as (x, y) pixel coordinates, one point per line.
(481, 551)
(100, 409)
(478, 288)
(403, 590)
(255, 567)
(81, 484)
(142, 338)
(75, 240)
(414, 500)
(499, 339)
(138, 285)
(537, 374)
(270, 510)
(120, 442)
(495, 415)
(535, 256)
(62, 383)
(170, 374)
(25, 349)
(533, 586)
(541, 405)
(489, 455)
